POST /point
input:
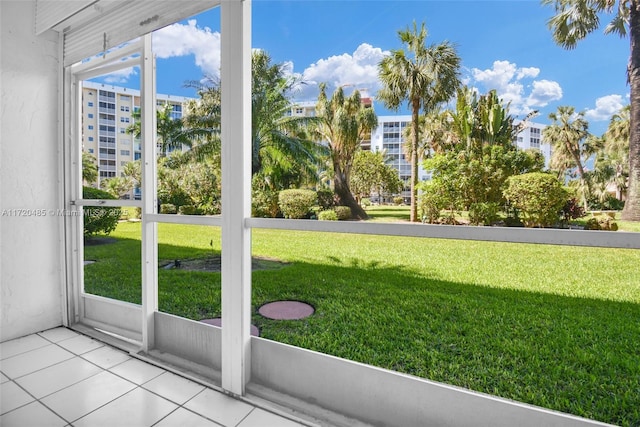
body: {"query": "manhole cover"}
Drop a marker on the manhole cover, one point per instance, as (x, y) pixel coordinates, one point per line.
(218, 322)
(286, 310)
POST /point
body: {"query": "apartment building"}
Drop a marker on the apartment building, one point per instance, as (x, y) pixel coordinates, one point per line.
(531, 138)
(107, 113)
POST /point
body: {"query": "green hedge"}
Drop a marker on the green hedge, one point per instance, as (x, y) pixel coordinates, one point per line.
(329, 215)
(296, 203)
(99, 220)
(538, 196)
(343, 212)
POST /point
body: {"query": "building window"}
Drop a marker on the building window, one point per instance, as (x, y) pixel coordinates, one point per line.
(124, 119)
(90, 127)
(123, 130)
(125, 152)
(90, 138)
(90, 104)
(124, 108)
(137, 156)
(299, 110)
(125, 141)
(90, 116)
(90, 150)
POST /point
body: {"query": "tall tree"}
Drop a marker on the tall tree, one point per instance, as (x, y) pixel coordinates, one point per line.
(89, 168)
(283, 155)
(171, 131)
(372, 174)
(616, 150)
(343, 122)
(567, 135)
(425, 77)
(574, 20)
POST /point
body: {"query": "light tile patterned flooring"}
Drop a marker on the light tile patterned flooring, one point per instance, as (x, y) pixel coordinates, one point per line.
(61, 378)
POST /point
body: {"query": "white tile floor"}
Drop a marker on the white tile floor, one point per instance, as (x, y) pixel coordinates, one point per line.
(61, 378)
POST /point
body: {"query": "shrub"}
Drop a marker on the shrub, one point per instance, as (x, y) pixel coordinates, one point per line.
(343, 212)
(572, 209)
(483, 213)
(99, 220)
(513, 221)
(601, 223)
(609, 203)
(365, 202)
(296, 203)
(326, 198)
(329, 215)
(264, 203)
(430, 203)
(138, 213)
(398, 200)
(168, 208)
(538, 196)
(189, 210)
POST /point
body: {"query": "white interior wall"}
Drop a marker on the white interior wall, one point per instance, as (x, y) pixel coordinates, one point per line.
(30, 269)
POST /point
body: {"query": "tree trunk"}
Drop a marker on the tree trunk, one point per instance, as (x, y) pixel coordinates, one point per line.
(341, 188)
(414, 160)
(631, 211)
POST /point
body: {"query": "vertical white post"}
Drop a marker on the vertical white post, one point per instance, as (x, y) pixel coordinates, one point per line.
(149, 194)
(235, 81)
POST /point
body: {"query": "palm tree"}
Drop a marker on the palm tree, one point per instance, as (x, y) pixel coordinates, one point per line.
(89, 168)
(283, 155)
(616, 149)
(573, 21)
(435, 134)
(342, 124)
(171, 132)
(567, 134)
(423, 76)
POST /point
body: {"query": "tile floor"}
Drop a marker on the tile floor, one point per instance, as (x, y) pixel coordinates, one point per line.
(61, 378)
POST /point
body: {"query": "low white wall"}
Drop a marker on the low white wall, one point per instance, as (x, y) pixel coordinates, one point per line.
(30, 268)
(383, 398)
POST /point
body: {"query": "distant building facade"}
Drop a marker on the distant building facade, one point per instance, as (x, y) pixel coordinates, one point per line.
(107, 113)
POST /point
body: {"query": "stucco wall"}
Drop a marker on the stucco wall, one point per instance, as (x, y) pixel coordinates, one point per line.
(30, 298)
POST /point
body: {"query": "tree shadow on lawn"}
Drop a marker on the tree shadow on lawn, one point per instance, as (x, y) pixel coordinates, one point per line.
(576, 355)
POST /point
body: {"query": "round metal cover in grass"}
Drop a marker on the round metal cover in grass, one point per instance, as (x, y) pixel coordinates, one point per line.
(218, 322)
(286, 310)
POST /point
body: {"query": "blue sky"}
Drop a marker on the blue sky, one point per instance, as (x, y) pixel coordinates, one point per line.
(504, 45)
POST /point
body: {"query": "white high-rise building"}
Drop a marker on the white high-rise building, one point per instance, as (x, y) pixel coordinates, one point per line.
(107, 113)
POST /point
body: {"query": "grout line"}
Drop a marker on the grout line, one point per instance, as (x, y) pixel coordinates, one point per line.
(245, 417)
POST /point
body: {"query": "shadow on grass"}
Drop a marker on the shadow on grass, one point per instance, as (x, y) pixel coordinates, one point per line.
(576, 355)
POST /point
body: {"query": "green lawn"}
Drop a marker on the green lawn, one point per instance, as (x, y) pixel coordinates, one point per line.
(553, 326)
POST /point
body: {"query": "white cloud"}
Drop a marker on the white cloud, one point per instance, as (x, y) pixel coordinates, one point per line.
(606, 107)
(189, 39)
(121, 76)
(509, 81)
(543, 92)
(531, 72)
(359, 69)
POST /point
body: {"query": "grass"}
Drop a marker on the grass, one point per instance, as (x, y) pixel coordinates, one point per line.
(554, 326)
